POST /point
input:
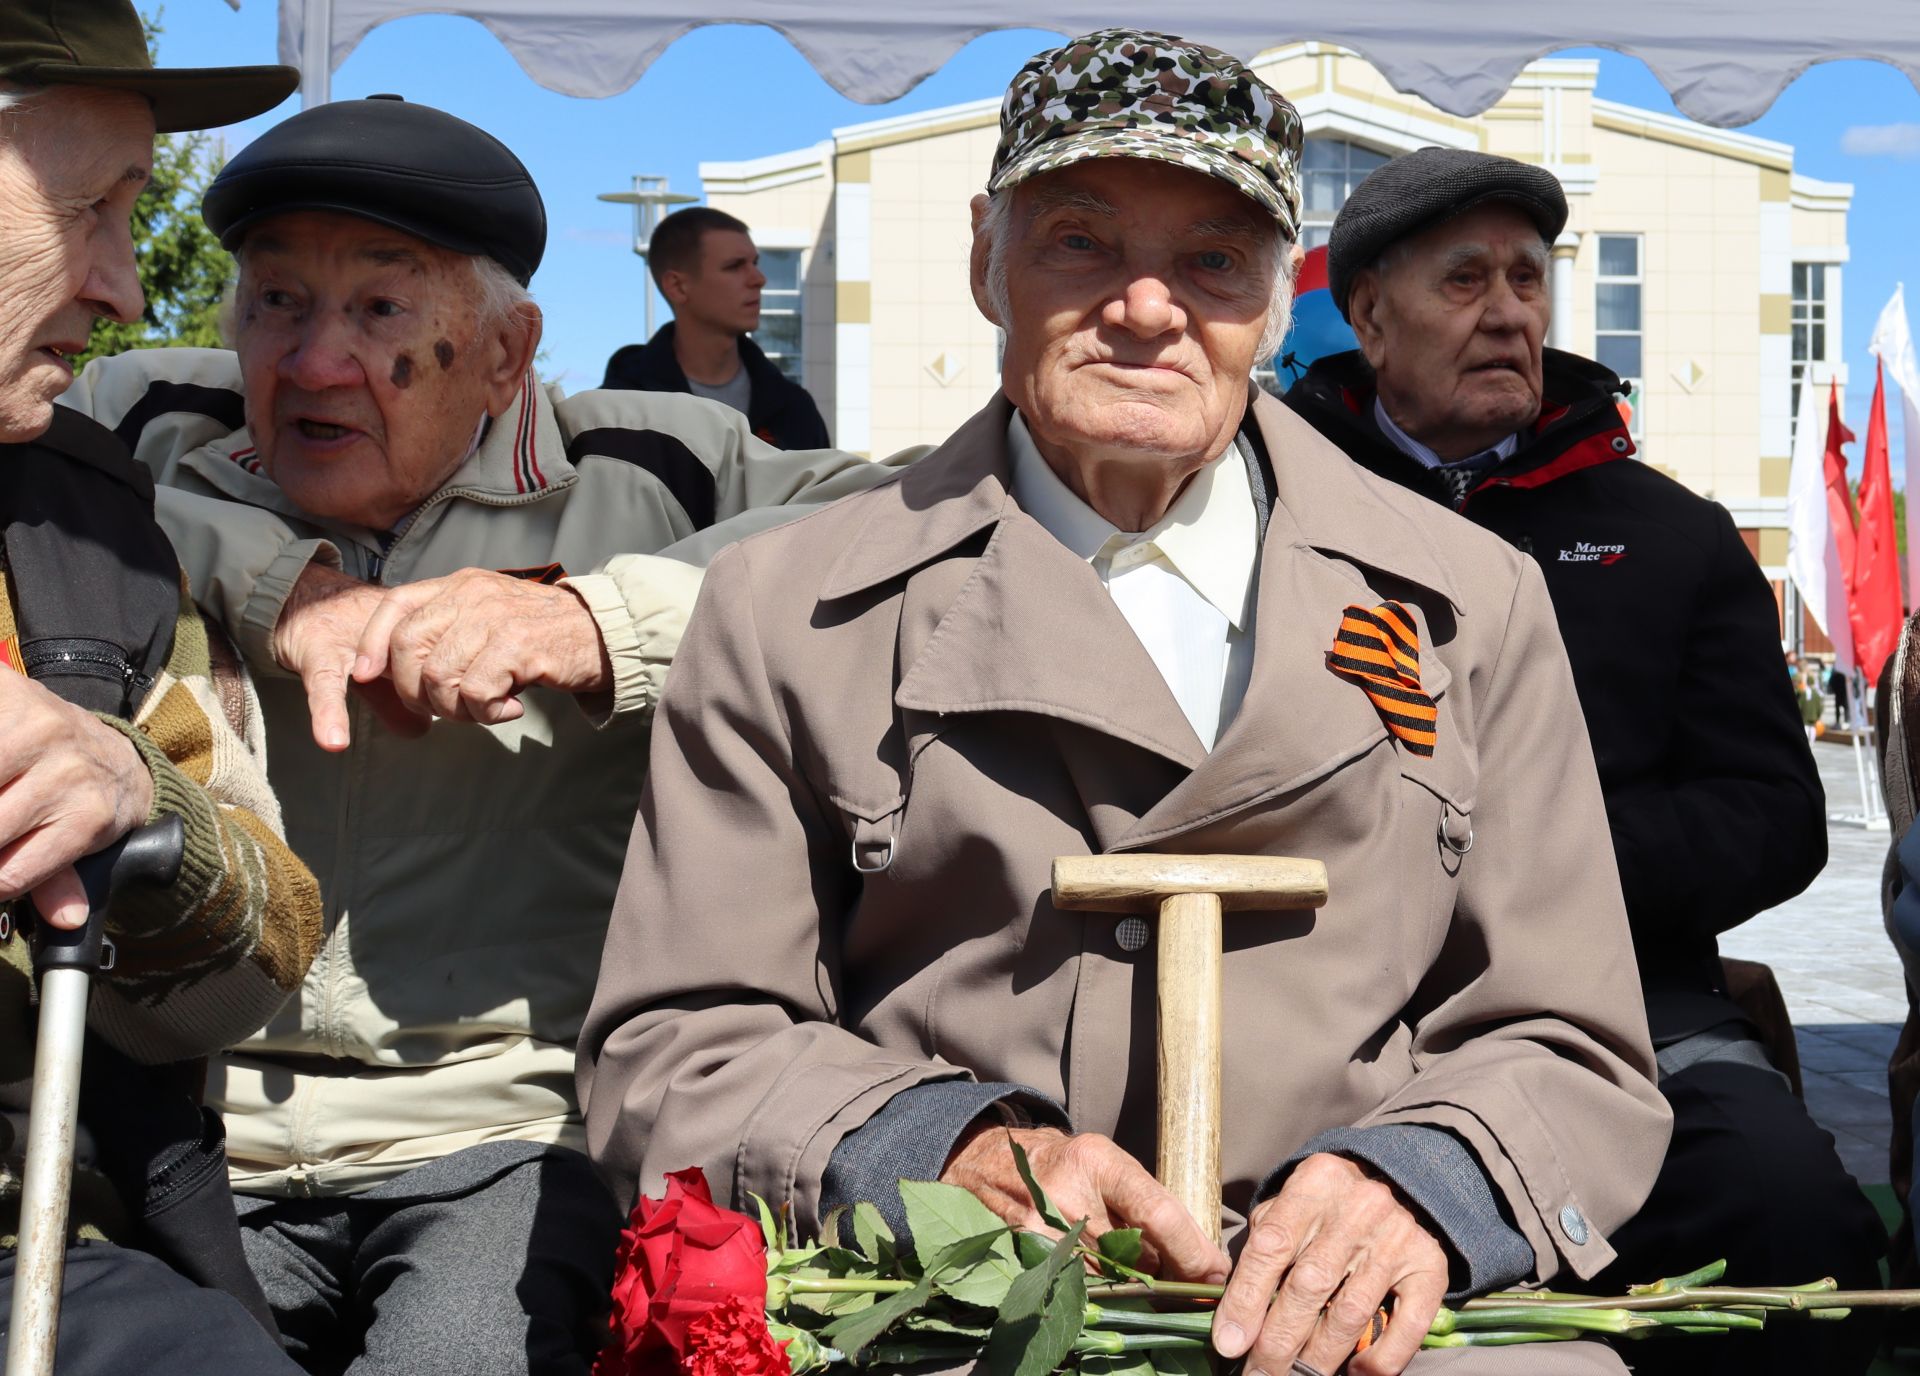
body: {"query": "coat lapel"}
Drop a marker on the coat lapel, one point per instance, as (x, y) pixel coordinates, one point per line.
(1023, 627)
(1032, 630)
(1330, 539)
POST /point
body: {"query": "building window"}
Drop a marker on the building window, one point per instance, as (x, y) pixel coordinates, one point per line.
(779, 332)
(1618, 338)
(1330, 169)
(1810, 286)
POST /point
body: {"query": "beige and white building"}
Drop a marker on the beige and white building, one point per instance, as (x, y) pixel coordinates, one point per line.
(1696, 261)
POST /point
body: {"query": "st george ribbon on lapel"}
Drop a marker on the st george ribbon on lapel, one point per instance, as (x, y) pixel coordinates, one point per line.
(1379, 649)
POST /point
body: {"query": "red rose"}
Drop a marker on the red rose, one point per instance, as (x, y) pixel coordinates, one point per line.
(679, 1258)
(731, 1339)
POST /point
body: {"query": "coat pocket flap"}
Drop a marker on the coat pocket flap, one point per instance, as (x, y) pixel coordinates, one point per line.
(876, 807)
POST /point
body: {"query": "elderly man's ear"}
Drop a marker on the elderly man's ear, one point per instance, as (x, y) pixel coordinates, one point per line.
(1365, 309)
(977, 262)
(507, 353)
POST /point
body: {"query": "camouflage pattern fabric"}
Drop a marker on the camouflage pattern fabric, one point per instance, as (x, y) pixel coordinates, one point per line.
(1128, 93)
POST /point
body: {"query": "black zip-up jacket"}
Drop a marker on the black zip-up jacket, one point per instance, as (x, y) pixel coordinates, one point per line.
(95, 591)
(1712, 795)
(780, 410)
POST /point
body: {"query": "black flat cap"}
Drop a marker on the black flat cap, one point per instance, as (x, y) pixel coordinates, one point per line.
(1416, 191)
(411, 167)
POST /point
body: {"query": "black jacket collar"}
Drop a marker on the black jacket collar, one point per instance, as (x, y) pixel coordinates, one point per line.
(1580, 422)
(779, 410)
(84, 440)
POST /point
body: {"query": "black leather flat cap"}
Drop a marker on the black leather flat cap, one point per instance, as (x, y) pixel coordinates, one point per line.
(414, 168)
(1416, 191)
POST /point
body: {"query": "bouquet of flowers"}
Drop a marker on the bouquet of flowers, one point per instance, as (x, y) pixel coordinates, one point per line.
(703, 1291)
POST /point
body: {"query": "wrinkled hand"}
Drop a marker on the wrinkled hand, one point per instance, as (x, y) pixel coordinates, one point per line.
(1333, 1244)
(465, 646)
(1086, 1176)
(69, 785)
(318, 638)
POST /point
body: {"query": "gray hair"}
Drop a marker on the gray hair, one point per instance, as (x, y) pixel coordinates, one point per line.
(997, 227)
(498, 293)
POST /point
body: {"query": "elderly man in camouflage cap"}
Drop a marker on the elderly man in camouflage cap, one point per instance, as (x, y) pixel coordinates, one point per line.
(1135, 604)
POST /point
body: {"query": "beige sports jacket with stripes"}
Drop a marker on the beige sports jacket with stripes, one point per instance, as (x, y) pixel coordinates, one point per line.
(467, 875)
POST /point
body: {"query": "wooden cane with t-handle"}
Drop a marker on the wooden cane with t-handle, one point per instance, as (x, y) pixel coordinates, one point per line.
(1189, 892)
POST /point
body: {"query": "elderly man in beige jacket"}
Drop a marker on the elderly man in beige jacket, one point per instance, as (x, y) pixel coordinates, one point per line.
(1136, 605)
(373, 487)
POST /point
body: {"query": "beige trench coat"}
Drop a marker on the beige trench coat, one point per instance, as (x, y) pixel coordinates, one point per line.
(923, 671)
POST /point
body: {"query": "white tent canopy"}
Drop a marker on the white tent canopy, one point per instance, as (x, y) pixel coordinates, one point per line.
(1723, 61)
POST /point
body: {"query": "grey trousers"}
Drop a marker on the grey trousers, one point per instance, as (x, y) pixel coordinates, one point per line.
(1534, 1359)
(495, 1261)
(123, 1312)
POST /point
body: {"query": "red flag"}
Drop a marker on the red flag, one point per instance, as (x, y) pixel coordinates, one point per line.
(1839, 500)
(1873, 606)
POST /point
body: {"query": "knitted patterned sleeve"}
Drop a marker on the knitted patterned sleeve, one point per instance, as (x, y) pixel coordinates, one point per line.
(205, 961)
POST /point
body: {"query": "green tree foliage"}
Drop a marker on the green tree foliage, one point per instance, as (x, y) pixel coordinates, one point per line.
(183, 269)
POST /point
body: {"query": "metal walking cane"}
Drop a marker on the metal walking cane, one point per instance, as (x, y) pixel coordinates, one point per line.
(65, 962)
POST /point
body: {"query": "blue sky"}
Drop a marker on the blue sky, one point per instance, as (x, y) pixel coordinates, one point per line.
(739, 91)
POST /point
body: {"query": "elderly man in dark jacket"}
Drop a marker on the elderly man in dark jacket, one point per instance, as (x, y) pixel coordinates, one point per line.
(1439, 261)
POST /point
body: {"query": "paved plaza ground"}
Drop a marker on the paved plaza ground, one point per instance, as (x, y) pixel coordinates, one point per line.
(1841, 978)
(1845, 990)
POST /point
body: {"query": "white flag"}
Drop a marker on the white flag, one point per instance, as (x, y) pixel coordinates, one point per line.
(1893, 342)
(1813, 558)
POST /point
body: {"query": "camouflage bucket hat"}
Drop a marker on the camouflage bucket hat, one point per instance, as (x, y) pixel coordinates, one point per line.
(1127, 93)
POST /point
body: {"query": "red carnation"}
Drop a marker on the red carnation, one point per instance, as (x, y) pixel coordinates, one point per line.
(731, 1339)
(680, 1259)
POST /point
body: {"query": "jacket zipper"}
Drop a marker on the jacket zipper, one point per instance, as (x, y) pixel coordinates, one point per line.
(357, 722)
(87, 658)
(375, 567)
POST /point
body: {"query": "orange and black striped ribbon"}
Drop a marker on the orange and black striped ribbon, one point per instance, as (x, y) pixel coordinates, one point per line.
(1379, 649)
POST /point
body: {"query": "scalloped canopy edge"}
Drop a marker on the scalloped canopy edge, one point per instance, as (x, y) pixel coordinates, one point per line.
(1723, 61)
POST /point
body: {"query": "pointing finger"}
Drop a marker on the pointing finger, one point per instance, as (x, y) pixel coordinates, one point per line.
(326, 686)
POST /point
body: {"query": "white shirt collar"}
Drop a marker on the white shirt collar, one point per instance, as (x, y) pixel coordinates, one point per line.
(1210, 536)
(1424, 456)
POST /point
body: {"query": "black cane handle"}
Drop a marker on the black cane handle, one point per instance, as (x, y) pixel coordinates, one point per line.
(150, 854)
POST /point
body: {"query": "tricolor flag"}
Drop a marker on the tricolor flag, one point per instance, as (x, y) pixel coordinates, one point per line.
(1318, 328)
